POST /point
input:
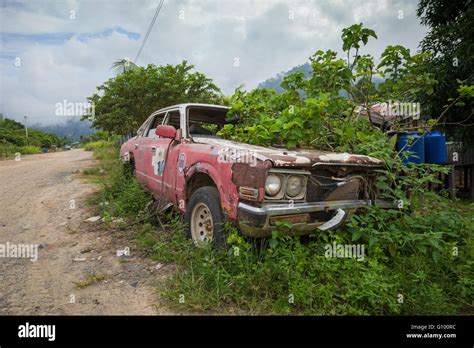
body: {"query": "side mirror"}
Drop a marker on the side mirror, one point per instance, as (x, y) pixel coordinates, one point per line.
(166, 131)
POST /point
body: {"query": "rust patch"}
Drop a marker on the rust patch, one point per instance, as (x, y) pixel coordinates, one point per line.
(245, 175)
(227, 210)
(294, 219)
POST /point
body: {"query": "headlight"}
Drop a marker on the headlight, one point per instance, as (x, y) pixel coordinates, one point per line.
(294, 185)
(273, 184)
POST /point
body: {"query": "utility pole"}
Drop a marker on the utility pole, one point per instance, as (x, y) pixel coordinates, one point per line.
(26, 131)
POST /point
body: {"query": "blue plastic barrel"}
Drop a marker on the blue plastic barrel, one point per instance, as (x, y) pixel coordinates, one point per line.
(417, 148)
(435, 148)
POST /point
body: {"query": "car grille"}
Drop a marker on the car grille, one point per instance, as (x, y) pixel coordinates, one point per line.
(345, 192)
(321, 187)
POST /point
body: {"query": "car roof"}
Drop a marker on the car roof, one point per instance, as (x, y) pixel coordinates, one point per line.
(187, 105)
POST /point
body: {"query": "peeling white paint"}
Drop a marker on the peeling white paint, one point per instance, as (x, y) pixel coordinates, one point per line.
(335, 157)
(302, 160)
(286, 157)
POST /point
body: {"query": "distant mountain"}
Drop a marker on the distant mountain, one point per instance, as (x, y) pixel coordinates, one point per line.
(275, 82)
(71, 129)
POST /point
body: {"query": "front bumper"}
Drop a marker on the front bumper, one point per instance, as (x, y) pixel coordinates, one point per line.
(304, 217)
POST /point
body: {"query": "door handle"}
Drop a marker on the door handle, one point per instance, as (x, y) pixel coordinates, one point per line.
(135, 146)
(153, 148)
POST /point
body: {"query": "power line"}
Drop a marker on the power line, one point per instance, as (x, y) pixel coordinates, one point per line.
(157, 12)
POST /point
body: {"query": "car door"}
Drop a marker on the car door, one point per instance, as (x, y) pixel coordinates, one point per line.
(138, 153)
(159, 169)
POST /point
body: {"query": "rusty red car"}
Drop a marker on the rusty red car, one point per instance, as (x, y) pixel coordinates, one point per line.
(178, 157)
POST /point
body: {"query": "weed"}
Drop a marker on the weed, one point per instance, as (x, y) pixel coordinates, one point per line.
(90, 279)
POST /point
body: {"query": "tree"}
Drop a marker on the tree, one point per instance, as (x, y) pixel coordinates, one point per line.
(123, 65)
(450, 47)
(13, 132)
(124, 102)
(318, 110)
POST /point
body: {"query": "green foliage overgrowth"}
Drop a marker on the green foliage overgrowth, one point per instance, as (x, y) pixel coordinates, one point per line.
(423, 253)
(418, 259)
(13, 139)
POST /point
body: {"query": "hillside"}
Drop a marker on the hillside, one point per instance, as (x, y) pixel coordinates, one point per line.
(73, 130)
(13, 139)
(275, 82)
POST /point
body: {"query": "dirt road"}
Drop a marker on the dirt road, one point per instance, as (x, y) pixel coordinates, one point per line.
(42, 203)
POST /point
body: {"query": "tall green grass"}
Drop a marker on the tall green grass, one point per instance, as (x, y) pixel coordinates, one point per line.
(29, 150)
(99, 144)
(9, 150)
(292, 275)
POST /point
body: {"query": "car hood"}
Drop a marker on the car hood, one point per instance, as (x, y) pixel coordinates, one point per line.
(292, 158)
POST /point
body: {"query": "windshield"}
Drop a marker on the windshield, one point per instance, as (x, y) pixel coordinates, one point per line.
(206, 122)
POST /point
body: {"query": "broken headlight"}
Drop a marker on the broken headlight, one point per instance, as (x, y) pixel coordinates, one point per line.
(294, 185)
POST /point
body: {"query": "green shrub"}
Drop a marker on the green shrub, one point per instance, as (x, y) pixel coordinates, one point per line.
(29, 150)
(121, 195)
(7, 149)
(286, 275)
(94, 145)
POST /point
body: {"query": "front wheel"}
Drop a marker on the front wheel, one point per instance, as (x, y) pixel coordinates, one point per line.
(204, 217)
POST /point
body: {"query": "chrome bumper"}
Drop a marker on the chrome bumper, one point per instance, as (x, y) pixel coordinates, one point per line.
(255, 221)
(273, 209)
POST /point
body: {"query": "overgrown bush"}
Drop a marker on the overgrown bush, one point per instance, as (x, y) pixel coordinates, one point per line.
(29, 150)
(13, 132)
(7, 149)
(93, 145)
(418, 260)
(121, 195)
(290, 275)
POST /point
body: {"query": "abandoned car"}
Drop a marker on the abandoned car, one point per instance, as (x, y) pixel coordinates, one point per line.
(177, 156)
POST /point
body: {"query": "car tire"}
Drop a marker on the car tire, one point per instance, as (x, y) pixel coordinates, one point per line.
(204, 217)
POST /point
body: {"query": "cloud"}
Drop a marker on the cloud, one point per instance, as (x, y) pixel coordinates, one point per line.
(67, 48)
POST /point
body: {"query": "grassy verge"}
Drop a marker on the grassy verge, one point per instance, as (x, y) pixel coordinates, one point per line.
(29, 150)
(415, 262)
(8, 150)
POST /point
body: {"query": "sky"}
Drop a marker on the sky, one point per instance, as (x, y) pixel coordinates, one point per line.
(59, 51)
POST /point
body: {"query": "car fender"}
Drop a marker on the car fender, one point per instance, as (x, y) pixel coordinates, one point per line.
(228, 196)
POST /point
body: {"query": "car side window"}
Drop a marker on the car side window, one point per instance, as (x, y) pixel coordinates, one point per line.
(157, 120)
(142, 129)
(173, 119)
(203, 128)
